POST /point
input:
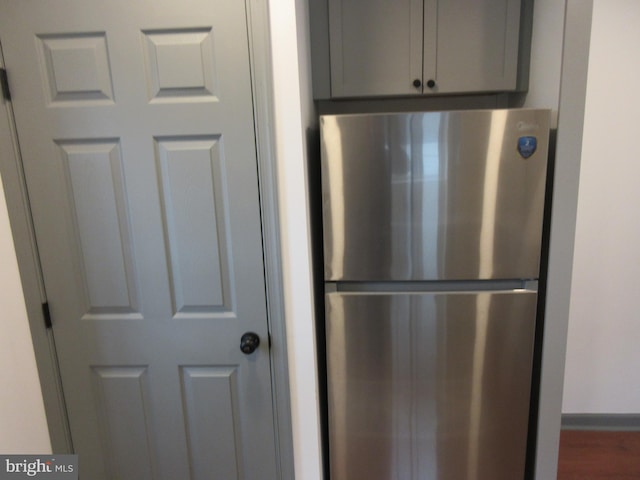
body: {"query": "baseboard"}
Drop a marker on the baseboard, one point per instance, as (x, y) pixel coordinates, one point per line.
(601, 421)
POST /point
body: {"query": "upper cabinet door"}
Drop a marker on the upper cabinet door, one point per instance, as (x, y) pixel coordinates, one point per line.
(376, 47)
(476, 43)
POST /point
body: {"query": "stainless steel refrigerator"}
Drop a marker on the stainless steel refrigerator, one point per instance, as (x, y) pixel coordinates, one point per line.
(432, 226)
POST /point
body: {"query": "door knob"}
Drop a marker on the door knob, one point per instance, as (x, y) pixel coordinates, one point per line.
(431, 83)
(249, 342)
(417, 83)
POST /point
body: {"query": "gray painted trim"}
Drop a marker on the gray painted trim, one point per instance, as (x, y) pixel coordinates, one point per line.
(262, 83)
(31, 279)
(320, 52)
(524, 47)
(412, 104)
(601, 421)
(573, 85)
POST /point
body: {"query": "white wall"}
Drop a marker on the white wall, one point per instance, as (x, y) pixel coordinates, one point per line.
(603, 349)
(546, 55)
(23, 427)
(294, 113)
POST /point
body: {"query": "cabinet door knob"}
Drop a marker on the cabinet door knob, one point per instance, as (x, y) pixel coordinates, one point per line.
(431, 83)
(417, 83)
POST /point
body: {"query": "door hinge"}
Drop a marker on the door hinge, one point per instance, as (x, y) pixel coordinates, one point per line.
(46, 314)
(4, 84)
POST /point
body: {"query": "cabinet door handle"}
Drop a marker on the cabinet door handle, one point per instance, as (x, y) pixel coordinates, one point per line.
(431, 83)
(417, 83)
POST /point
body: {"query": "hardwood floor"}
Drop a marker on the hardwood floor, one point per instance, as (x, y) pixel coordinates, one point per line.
(599, 455)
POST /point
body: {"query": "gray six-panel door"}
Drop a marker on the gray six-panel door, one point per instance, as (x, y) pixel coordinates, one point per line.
(135, 124)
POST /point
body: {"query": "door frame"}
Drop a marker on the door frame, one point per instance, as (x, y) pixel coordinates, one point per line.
(11, 170)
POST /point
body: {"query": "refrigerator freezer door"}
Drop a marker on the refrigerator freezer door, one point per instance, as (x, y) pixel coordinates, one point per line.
(427, 386)
(434, 196)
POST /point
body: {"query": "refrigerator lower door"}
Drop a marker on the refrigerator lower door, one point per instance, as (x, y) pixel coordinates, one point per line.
(429, 386)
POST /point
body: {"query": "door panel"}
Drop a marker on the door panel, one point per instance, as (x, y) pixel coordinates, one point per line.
(218, 430)
(135, 123)
(195, 213)
(97, 202)
(122, 397)
(429, 385)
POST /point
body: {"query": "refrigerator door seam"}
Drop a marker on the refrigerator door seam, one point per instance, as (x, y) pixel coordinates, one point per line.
(529, 285)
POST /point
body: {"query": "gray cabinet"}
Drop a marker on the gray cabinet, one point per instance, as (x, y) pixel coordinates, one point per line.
(375, 46)
(365, 48)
